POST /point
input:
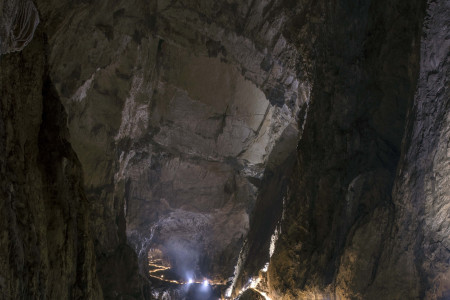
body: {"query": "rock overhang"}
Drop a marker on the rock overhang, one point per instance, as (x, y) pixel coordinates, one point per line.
(191, 98)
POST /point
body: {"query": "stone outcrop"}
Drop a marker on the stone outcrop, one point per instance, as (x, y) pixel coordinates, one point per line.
(415, 259)
(18, 21)
(173, 126)
(368, 215)
(310, 135)
(250, 295)
(46, 247)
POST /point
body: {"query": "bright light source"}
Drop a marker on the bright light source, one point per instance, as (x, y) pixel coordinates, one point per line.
(190, 281)
(205, 282)
(228, 292)
(265, 268)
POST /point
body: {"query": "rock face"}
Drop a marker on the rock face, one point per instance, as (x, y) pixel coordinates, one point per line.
(174, 122)
(415, 261)
(18, 21)
(310, 135)
(250, 295)
(368, 215)
(46, 248)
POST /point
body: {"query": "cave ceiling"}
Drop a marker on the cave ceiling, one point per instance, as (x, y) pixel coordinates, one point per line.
(180, 104)
(270, 149)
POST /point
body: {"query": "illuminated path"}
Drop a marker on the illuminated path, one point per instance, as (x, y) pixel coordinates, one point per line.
(157, 265)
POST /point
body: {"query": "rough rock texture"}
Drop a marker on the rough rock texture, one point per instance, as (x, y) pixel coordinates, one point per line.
(250, 295)
(415, 261)
(265, 222)
(173, 112)
(67, 24)
(46, 248)
(360, 225)
(18, 21)
(187, 117)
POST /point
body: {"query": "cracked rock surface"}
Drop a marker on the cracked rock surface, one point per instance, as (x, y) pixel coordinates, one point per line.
(46, 246)
(368, 212)
(173, 118)
(310, 135)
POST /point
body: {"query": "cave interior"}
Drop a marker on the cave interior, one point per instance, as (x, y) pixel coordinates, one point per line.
(235, 149)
